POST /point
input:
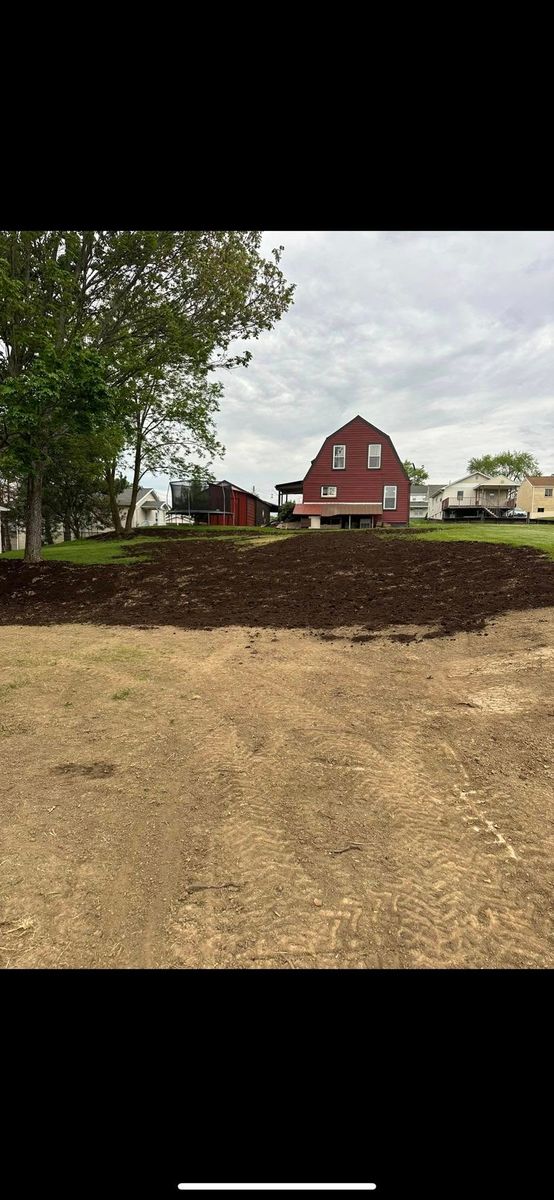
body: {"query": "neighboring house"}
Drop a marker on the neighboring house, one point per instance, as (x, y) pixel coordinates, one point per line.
(477, 496)
(536, 496)
(2, 510)
(419, 498)
(356, 481)
(149, 509)
(220, 503)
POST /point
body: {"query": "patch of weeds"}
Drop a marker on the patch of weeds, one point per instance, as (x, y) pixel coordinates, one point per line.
(122, 695)
(12, 685)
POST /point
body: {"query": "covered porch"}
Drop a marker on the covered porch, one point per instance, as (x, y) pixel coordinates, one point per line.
(363, 515)
(284, 490)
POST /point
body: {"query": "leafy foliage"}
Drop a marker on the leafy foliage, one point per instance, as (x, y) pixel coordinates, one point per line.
(415, 474)
(92, 320)
(515, 464)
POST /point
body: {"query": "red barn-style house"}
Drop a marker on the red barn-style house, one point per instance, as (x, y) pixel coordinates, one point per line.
(356, 481)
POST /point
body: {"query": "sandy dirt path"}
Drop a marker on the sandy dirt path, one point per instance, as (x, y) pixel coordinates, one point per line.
(244, 798)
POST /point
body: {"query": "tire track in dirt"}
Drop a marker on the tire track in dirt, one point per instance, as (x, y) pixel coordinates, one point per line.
(363, 776)
(280, 862)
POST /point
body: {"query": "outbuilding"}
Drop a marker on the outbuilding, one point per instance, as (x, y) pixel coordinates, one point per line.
(220, 503)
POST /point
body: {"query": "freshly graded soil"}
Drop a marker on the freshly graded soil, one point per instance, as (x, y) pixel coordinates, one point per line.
(234, 797)
(316, 582)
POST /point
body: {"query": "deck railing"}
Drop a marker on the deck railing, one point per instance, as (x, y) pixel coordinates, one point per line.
(475, 502)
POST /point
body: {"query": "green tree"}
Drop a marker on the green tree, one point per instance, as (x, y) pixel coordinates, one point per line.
(171, 426)
(75, 493)
(58, 395)
(415, 474)
(515, 464)
(145, 301)
(286, 510)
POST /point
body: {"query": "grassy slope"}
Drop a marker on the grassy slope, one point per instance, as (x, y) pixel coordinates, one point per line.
(90, 552)
(541, 537)
(85, 552)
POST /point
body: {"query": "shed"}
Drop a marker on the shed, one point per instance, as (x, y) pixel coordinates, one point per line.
(222, 503)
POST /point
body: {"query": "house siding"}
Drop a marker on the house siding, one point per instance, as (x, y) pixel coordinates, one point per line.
(531, 498)
(450, 491)
(357, 482)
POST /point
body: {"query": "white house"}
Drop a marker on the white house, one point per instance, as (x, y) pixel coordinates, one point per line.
(149, 509)
(2, 509)
(419, 498)
(461, 490)
(478, 495)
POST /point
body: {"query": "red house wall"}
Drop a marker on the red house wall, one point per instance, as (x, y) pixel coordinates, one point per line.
(240, 501)
(357, 481)
(241, 507)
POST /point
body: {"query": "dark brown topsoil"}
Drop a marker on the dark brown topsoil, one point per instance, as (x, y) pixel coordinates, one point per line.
(317, 581)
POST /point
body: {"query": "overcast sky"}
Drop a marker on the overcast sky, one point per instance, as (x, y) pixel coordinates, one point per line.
(445, 340)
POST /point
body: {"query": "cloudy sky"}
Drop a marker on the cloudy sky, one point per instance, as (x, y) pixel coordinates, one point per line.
(445, 340)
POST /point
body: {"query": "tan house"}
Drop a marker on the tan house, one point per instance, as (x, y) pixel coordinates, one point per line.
(536, 496)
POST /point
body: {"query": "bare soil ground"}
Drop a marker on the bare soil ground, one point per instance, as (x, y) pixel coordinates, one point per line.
(256, 797)
(313, 581)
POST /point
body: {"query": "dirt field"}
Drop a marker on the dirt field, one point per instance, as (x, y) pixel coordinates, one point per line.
(313, 581)
(255, 797)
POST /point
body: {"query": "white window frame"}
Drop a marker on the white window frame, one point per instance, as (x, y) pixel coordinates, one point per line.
(373, 447)
(389, 487)
(328, 489)
(548, 492)
(339, 446)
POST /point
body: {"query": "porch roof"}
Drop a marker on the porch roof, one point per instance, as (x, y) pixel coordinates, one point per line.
(295, 488)
(361, 509)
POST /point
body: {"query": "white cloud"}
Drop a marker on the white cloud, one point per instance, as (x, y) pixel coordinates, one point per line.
(443, 339)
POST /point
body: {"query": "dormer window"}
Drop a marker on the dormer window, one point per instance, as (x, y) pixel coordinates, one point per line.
(374, 457)
(339, 458)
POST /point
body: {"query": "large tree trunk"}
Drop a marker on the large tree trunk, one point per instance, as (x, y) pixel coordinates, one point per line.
(33, 540)
(135, 486)
(110, 482)
(67, 528)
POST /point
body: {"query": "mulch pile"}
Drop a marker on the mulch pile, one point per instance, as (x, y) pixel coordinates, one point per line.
(318, 582)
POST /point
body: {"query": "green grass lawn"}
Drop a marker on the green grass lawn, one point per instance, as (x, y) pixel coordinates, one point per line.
(88, 552)
(540, 537)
